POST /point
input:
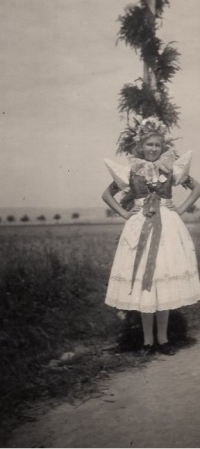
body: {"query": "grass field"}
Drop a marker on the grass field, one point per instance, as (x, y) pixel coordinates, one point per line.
(53, 284)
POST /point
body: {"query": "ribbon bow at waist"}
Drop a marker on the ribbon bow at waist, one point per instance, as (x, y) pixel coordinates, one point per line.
(151, 210)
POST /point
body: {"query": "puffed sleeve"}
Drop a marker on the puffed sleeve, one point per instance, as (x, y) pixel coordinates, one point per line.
(181, 168)
(119, 173)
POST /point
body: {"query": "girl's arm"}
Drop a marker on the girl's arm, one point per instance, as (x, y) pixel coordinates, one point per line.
(108, 197)
(194, 195)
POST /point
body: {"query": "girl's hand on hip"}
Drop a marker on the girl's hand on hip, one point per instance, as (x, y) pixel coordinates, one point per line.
(131, 212)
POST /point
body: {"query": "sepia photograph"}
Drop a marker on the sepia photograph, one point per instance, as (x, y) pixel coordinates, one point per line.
(100, 224)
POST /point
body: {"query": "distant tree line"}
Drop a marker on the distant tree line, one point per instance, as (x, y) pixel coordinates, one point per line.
(41, 218)
(25, 218)
(193, 208)
(111, 213)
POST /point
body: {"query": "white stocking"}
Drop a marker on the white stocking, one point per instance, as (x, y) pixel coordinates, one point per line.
(147, 324)
(162, 325)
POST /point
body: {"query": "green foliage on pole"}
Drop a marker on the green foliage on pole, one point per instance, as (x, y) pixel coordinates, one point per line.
(143, 101)
(138, 28)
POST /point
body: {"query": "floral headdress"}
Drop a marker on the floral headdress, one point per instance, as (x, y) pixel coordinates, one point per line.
(129, 140)
(149, 126)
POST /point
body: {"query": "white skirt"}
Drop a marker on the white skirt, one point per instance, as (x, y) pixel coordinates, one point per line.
(176, 279)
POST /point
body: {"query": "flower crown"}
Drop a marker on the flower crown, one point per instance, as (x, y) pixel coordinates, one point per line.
(149, 126)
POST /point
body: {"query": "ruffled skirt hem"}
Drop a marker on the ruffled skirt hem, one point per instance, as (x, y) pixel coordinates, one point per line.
(172, 305)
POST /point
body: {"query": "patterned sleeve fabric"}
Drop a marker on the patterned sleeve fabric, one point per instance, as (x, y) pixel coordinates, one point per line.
(114, 188)
(188, 183)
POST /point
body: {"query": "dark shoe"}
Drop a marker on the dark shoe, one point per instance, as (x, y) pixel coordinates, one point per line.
(166, 349)
(147, 350)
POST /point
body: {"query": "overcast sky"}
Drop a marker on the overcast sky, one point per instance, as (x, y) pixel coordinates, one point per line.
(61, 74)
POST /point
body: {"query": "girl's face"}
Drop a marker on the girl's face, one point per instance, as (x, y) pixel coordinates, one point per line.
(152, 148)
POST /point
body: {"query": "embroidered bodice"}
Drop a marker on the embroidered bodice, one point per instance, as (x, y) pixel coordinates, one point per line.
(140, 188)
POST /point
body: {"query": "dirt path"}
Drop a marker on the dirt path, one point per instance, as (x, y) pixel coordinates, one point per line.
(156, 406)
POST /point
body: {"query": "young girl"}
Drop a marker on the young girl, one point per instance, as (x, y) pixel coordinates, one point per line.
(155, 267)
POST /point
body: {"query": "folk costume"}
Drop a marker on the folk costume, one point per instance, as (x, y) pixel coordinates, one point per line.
(155, 265)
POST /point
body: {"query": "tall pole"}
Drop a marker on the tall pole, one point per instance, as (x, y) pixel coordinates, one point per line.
(151, 5)
(148, 73)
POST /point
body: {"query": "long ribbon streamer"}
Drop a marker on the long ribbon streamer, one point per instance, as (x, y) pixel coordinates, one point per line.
(151, 210)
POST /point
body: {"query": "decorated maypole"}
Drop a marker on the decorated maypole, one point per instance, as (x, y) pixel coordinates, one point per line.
(148, 95)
